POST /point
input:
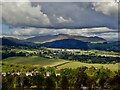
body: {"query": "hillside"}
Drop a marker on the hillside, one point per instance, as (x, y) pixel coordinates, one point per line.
(50, 38)
(10, 41)
(67, 43)
(63, 43)
(75, 64)
(57, 63)
(78, 44)
(108, 46)
(34, 60)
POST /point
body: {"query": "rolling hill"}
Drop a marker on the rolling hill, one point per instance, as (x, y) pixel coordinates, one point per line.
(57, 63)
(34, 60)
(68, 43)
(50, 38)
(10, 41)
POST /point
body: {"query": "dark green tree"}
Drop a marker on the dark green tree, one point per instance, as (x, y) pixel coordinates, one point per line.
(81, 80)
(50, 83)
(38, 80)
(64, 83)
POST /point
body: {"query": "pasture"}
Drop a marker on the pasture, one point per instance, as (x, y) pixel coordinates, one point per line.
(58, 63)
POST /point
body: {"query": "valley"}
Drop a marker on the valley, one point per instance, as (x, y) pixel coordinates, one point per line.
(61, 58)
(58, 64)
(37, 65)
(59, 45)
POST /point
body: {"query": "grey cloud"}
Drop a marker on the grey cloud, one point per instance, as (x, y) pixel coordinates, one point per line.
(56, 15)
(107, 8)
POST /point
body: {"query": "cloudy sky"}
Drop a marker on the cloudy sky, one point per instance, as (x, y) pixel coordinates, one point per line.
(43, 18)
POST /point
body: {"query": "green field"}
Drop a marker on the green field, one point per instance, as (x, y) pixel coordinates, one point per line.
(59, 63)
(34, 60)
(75, 64)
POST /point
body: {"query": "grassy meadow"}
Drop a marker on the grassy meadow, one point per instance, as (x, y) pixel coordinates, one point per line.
(34, 60)
(58, 63)
(75, 64)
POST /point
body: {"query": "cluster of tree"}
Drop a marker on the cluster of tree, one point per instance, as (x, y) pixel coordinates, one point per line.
(68, 79)
(107, 46)
(62, 55)
(79, 57)
(12, 54)
(88, 58)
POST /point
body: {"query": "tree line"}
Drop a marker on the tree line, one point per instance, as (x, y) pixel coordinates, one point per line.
(65, 79)
(62, 55)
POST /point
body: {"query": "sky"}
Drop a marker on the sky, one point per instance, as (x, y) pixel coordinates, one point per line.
(26, 19)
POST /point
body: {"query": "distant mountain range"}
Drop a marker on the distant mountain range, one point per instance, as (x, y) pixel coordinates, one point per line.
(50, 38)
(63, 41)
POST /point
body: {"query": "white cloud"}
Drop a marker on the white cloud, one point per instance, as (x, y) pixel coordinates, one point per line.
(32, 31)
(103, 32)
(62, 20)
(22, 13)
(111, 36)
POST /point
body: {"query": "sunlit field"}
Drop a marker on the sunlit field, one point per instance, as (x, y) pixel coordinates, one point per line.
(58, 63)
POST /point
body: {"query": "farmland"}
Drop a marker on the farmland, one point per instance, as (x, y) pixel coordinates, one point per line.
(58, 63)
(34, 60)
(56, 66)
(74, 64)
